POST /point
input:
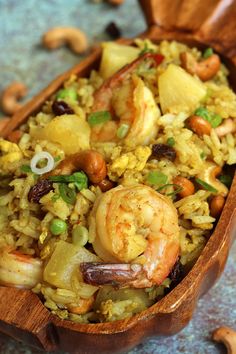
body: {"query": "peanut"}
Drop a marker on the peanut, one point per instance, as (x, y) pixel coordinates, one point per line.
(187, 186)
(217, 205)
(105, 185)
(199, 125)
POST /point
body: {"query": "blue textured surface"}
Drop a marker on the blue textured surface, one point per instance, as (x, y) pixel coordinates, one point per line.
(22, 23)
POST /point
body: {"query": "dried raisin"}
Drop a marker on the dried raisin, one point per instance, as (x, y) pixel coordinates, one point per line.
(41, 188)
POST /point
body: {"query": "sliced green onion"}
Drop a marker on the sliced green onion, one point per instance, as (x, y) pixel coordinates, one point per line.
(122, 131)
(171, 141)
(208, 53)
(145, 50)
(213, 118)
(26, 169)
(79, 179)
(226, 180)
(68, 194)
(157, 177)
(58, 226)
(55, 197)
(70, 93)
(80, 235)
(99, 117)
(178, 188)
(57, 158)
(206, 186)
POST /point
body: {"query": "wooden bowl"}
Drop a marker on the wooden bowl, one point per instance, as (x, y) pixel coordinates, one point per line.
(23, 316)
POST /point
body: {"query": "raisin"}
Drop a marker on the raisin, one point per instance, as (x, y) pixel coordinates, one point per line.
(113, 31)
(41, 188)
(60, 107)
(176, 273)
(163, 151)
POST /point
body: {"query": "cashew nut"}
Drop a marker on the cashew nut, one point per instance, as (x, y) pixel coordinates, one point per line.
(228, 126)
(208, 175)
(58, 36)
(205, 69)
(187, 186)
(89, 161)
(227, 336)
(3, 122)
(199, 125)
(10, 96)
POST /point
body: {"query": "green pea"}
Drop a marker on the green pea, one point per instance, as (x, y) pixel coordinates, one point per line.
(80, 235)
(122, 131)
(67, 93)
(58, 226)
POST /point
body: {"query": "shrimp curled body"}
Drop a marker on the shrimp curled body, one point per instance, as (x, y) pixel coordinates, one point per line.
(19, 270)
(136, 230)
(130, 103)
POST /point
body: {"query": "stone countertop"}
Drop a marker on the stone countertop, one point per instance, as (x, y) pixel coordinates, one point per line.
(22, 58)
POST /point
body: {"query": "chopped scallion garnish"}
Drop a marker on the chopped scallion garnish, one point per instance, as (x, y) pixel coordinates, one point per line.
(57, 158)
(69, 92)
(26, 169)
(122, 131)
(206, 186)
(100, 117)
(79, 179)
(208, 53)
(157, 177)
(68, 194)
(177, 190)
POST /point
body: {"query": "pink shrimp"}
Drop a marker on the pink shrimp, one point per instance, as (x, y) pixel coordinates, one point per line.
(136, 230)
(130, 103)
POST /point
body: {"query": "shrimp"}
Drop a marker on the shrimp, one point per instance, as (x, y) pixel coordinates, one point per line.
(130, 103)
(136, 230)
(19, 270)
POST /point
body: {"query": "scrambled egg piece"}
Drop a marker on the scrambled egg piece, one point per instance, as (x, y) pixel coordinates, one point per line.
(9, 153)
(135, 160)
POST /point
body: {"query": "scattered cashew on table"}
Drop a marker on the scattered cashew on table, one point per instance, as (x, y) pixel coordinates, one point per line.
(73, 37)
(227, 336)
(10, 96)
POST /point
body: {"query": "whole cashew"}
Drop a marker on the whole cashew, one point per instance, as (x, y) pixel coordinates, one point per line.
(205, 69)
(73, 37)
(227, 336)
(89, 161)
(3, 122)
(10, 96)
(208, 175)
(228, 126)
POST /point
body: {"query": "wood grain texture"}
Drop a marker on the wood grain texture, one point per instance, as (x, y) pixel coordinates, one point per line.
(22, 314)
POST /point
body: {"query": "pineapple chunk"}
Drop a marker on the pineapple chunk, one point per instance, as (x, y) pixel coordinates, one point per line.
(64, 262)
(71, 132)
(179, 91)
(115, 56)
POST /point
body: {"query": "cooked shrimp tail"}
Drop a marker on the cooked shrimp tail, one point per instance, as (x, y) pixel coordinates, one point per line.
(110, 274)
(103, 102)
